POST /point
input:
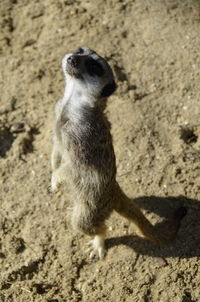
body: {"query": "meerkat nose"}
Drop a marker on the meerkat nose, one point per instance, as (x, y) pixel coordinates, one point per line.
(72, 60)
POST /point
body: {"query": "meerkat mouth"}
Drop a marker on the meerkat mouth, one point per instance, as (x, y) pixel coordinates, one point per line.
(73, 73)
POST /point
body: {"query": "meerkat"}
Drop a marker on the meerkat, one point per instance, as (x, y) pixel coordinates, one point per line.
(83, 150)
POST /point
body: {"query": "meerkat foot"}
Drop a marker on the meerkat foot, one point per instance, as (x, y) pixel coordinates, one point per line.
(97, 247)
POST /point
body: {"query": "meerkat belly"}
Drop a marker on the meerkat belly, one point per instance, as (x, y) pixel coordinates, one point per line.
(92, 164)
(90, 169)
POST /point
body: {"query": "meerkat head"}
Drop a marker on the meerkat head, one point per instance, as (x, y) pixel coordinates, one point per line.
(90, 71)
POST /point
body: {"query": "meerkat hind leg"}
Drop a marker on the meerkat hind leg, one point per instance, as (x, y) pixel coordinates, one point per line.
(97, 247)
(97, 244)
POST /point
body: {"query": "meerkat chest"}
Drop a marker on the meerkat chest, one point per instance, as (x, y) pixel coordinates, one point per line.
(89, 143)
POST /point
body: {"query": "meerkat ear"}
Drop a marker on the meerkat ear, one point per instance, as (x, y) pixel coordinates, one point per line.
(108, 89)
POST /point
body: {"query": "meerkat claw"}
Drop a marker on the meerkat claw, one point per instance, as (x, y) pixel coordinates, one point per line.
(49, 190)
(97, 247)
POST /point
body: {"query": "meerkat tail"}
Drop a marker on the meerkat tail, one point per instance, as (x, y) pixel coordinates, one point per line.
(128, 209)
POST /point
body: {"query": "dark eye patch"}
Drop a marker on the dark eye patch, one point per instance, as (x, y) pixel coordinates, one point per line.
(93, 67)
(79, 51)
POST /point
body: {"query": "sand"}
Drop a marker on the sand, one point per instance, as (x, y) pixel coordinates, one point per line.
(154, 49)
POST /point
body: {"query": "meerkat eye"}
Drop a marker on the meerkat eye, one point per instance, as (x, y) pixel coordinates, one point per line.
(79, 51)
(94, 68)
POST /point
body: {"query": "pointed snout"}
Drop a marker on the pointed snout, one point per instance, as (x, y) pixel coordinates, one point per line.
(73, 60)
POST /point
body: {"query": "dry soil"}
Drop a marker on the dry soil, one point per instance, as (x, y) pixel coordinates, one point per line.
(154, 49)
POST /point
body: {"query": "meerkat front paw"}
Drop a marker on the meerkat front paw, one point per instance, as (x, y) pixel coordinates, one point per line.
(54, 182)
(97, 247)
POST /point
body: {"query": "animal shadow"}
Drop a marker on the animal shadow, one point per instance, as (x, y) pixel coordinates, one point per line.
(187, 242)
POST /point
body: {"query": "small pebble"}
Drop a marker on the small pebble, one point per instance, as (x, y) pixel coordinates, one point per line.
(161, 262)
(17, 127)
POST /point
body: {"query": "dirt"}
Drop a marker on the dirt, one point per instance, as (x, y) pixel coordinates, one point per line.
(153, 47)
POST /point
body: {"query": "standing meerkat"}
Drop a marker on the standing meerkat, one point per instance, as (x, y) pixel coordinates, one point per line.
(83, 150)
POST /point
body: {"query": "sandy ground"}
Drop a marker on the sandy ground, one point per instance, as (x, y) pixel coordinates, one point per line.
(154, 49)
